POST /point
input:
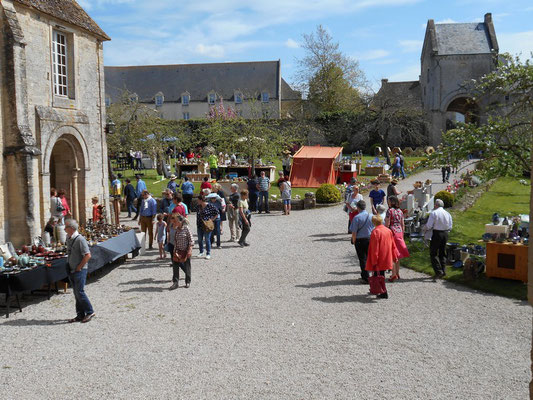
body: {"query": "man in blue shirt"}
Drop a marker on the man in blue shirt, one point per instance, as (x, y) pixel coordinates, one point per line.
(263, 186)
(141, 186)
(377, 196)
(361, 228)
(148, 210)
(187, 190)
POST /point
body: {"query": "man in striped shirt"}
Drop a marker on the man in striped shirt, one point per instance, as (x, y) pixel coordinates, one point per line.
(263, 185)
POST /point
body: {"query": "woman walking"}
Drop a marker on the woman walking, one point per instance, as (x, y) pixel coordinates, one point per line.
(205, 223)
(244, 218)
(395, 222)
(382, 254)
(182, 250)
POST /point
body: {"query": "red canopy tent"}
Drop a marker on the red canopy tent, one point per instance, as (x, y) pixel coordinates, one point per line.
(314, 165)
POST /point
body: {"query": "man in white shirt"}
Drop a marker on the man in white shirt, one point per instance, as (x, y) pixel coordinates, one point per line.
(440, 223)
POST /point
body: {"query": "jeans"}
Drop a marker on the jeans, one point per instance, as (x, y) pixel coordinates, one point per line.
(187, 199)
(207, 236)
(253, 201)
(83, 305)
(361, 248)
(244, 233)
(263, 199)
(402, 170)
(216, 232)
(138, 209)
(437, 251)
(130, 206)
(185, 266)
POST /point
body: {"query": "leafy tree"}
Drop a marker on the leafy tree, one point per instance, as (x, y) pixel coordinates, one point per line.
(505, 140)
(325, 69)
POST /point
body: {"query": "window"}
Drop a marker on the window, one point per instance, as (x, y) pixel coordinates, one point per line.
(185, 99)
(107, 101)
(60, 64)
(211, 98)
(238, 98)
(159, 100)
(264, 97)
(186, 116)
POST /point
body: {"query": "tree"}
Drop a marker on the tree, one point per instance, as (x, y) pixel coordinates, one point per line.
(326, 71)
(505, 140)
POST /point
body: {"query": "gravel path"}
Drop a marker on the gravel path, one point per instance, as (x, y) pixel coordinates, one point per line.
(282, 319)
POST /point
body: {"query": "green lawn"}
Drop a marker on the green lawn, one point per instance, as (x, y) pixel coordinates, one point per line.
(506, 197)
(156, 187)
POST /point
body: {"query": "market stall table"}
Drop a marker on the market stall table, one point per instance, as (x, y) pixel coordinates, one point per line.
(507, 260)
(34, 279)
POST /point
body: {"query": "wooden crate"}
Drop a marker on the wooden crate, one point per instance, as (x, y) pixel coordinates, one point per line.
(507, 260)
(374, 171)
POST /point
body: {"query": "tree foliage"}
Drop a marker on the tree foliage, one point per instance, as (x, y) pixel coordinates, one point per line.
(505, 140)
(326, 75)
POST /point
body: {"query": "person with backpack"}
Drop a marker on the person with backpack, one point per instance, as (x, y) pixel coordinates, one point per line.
(361, 229)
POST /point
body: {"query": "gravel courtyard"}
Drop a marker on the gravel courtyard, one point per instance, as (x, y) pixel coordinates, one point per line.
(282, 319)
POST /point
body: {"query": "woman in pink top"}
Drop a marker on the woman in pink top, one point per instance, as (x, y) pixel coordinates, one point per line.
(394, 221)
(61, 194)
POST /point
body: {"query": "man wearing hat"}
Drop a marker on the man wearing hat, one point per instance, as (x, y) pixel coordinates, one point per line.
(286, 163)
(172, 185)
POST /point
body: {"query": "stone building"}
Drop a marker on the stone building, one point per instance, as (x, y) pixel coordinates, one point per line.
(181, 92)
(52, 112)
(452, 55)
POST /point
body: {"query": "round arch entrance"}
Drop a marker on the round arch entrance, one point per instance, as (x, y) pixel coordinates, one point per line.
(461, 109)
(67, 171)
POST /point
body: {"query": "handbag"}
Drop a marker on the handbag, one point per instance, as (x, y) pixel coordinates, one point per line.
(377, 283)
(180, 256)
(209, 225)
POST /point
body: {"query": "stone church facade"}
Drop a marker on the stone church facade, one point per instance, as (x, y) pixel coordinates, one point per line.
(452, 55)
(52, 110)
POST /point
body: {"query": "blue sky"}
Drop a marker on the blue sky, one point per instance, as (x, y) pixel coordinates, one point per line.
(384, 35)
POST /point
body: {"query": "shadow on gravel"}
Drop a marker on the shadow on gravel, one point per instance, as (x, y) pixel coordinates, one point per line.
(357, 298)
(325, 235)
(142, 281)
(149, 264)
(34, 322)
(145, 289)
(344, 273)
(347, 282)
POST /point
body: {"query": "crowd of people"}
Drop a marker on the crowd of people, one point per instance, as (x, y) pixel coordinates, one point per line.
(378, 235)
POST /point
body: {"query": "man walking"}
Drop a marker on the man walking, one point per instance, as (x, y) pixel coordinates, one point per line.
(139, 189)
(172, 185)
(361, 229)
(233, 212)
(148, 210)
(440, 223)
(263, 186)
(78, 258)
(129, 193)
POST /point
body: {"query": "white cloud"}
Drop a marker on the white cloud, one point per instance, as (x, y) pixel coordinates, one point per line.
(292, 44)
(410, 73)
(411, 46)
(214, 51)
(516, 43)
(372, 55)
(446, 21)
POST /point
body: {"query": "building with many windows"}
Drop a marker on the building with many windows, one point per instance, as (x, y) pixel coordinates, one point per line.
(180, 92)
(52, 112)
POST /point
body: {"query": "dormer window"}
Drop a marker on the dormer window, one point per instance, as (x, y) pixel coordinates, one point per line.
(264, 97)
(159, 100)
(211, 98)
(185, 99)
(238, 98)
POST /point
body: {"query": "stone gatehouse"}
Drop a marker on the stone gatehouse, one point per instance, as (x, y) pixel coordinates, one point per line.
(52, 110)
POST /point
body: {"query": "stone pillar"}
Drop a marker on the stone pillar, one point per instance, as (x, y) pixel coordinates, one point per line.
(75, 196)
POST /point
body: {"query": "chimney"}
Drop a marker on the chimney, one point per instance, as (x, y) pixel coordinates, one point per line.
(488, 18)
(384, 81)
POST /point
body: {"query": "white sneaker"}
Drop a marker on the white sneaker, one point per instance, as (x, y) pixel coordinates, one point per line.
(207, 257)
(201, 255)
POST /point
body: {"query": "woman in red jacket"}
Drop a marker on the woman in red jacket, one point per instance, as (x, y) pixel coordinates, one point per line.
(382, 254)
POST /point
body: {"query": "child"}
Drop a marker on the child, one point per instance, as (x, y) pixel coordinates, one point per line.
(97, 210)
(161, 235)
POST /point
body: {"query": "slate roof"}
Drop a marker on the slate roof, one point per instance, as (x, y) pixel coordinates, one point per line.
(68, 11)
(469, 38)
(404, 93)
(251, 78)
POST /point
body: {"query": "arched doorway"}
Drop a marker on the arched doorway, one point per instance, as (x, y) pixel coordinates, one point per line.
(67, 171)
(461, 109)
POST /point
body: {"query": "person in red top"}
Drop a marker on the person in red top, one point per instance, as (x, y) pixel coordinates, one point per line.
(179, 208)
(97, 210)
(205, 184)
(61, 193)
(382, 253)
(190, 155)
